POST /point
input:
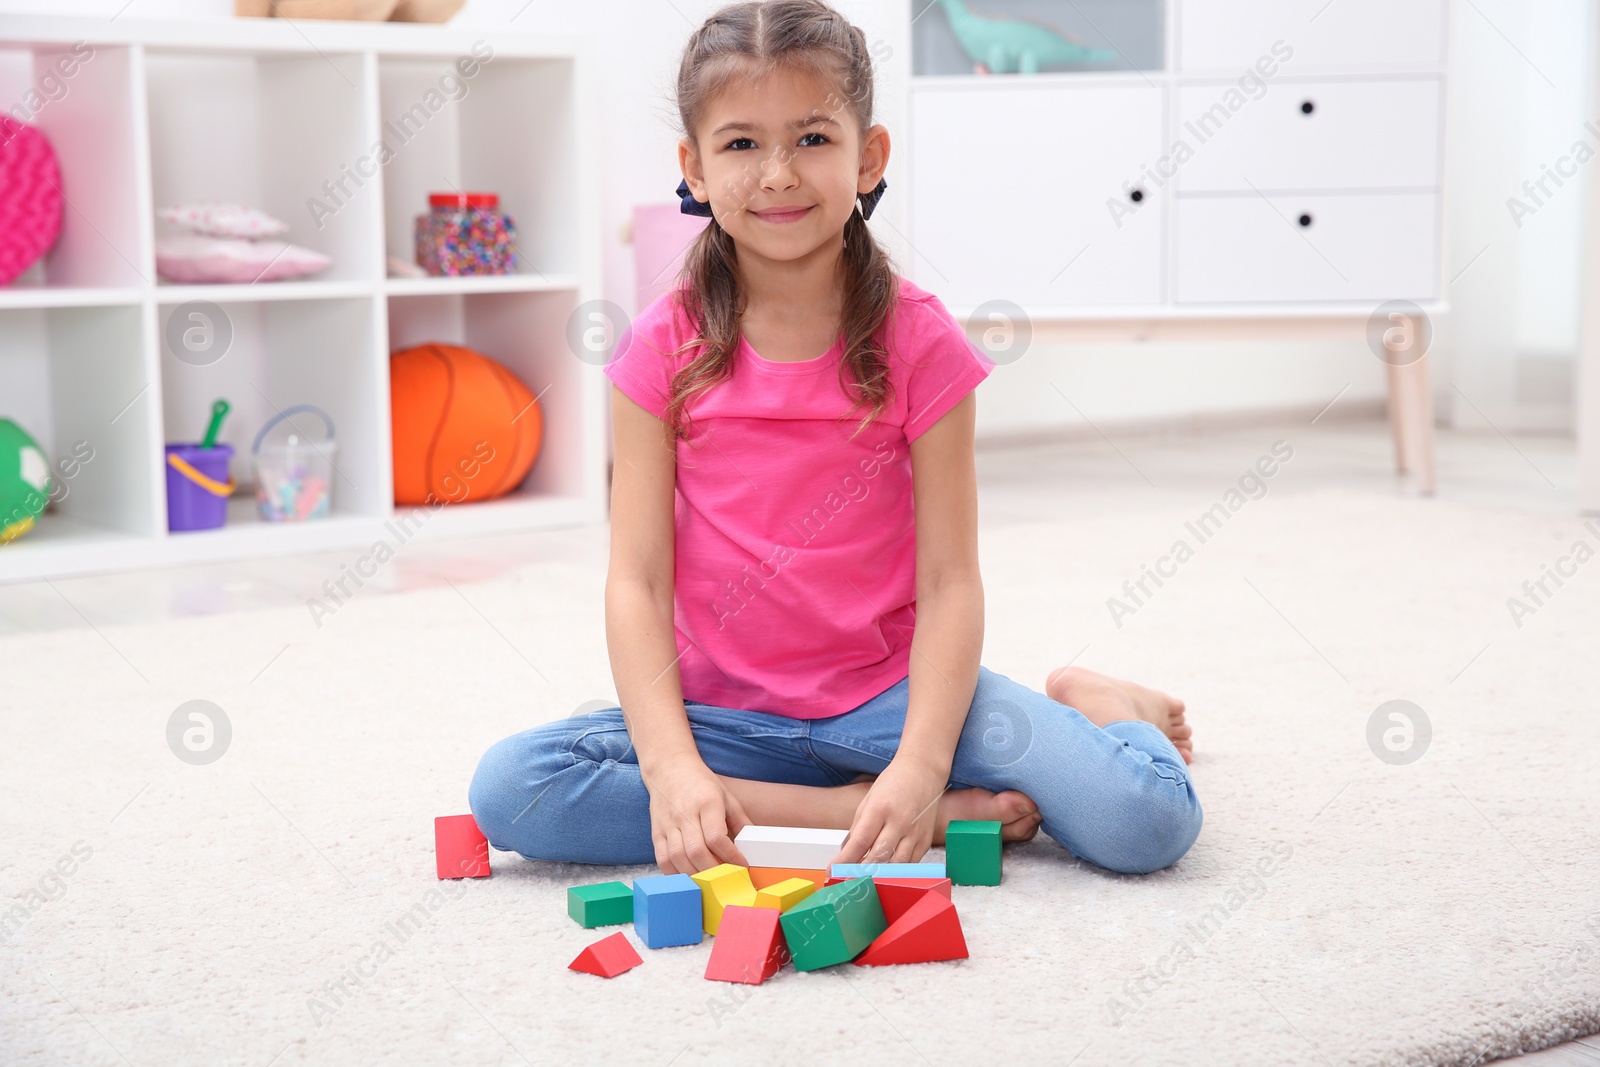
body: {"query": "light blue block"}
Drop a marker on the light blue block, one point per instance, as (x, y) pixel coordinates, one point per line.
(666, 910)
(886, 870)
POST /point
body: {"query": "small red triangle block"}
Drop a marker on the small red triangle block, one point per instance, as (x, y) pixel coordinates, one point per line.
(930, 930)
(607, 957)
(749, 947)
(898, 894)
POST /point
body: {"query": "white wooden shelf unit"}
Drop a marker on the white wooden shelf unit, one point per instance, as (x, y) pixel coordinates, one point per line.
(278, 115)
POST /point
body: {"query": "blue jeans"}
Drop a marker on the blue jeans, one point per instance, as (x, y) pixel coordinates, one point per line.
(1118, 797)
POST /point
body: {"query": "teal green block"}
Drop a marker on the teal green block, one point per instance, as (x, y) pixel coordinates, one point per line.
(833, 925)
(601, 904)
(972, 852)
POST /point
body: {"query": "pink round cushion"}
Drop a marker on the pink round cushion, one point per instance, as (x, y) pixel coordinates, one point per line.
(30, 197)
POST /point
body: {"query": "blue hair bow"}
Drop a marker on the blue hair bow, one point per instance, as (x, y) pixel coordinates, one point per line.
(690, 206)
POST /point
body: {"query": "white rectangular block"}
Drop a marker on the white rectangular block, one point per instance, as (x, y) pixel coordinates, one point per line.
(790, 846)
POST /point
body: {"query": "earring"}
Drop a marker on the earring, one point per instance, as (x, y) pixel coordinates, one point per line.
(869, 201)
(689, 205)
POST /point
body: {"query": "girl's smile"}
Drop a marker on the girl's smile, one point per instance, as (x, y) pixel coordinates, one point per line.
(782, 215)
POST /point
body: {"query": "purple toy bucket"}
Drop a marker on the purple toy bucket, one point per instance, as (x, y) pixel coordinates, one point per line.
(198, 486)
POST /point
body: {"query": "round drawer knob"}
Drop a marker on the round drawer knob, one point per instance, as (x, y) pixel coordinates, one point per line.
(1305, 220)
(1307, 107)
(1136, 196)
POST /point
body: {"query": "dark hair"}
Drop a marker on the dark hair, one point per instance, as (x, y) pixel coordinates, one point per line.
(748, 40)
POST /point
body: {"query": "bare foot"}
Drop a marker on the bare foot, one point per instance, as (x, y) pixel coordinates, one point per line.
(1103, 699)
(1018, 817)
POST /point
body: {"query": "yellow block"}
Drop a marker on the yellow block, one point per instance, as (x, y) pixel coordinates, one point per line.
(785, 895)
(724, 884)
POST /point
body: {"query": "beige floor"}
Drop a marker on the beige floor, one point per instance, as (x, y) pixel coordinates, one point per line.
(1018, 483)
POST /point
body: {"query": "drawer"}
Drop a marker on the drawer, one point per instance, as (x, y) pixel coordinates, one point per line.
(1009, 192)
(1230, 35)
(1249, 249)
(1321, 135)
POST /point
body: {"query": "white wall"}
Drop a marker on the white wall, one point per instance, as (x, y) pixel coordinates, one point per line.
(1516, 307)
(1518, 92)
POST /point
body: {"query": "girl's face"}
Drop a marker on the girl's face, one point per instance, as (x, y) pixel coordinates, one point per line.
(781, 161)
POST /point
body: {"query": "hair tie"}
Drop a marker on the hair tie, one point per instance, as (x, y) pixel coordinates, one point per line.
(690, 206)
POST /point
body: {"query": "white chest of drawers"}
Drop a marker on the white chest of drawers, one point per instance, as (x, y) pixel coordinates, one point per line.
(1289, 154)
(1285, 164)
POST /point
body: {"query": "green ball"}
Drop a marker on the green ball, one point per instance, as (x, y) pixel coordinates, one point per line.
(24, 481)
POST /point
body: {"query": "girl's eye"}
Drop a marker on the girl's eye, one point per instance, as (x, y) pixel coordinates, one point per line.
(738, 143)
(821, 138)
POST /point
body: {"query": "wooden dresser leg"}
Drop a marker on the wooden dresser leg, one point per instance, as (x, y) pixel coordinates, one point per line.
(1399, 410)
(1423, 460)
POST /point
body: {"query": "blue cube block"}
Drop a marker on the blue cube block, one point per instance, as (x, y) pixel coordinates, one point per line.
(886, 870)
(666, 910)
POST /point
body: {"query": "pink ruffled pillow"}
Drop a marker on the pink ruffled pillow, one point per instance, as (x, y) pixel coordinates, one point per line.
(227, 259)
(216, 218)
(30, 197)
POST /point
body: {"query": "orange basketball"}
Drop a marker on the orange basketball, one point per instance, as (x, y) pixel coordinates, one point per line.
(464, 427)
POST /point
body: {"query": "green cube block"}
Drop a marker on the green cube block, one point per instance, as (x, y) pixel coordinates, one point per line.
(601, 904)
(834, 925)
(972, 852)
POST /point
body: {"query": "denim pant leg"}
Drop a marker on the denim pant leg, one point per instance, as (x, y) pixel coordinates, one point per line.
(571, 790)
(1119, 797)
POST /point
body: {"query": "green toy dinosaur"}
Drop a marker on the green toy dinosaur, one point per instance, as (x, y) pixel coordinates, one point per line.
(1015, 46)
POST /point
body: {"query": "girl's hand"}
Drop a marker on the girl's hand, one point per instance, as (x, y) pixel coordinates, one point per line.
(896, 820)
(693, 818)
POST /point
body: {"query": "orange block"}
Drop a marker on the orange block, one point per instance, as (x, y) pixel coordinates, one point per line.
(762, 877)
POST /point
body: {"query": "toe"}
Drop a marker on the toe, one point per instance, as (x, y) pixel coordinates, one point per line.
(1023, 829)
(1014, 805)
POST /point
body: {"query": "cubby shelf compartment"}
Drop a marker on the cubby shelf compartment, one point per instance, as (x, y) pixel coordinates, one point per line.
(282, 116)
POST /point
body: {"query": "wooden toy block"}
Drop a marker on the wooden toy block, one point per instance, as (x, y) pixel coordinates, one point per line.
(785, 894)
(720, 886)
(834, 924)
(898, 894)
(789, 846)
(750, 948)
(972, 851)
(459, 848)
(607, 957)
(667, 910)
(929, 931)
(600, 904)
(761, 877)
(843, 872)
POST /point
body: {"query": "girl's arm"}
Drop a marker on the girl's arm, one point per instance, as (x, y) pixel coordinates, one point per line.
(690, 810)
(896, 821)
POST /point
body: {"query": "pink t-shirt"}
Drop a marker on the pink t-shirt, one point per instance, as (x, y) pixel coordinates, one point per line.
(795, 550)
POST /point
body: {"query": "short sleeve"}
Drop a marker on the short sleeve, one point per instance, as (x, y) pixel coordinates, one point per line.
(941, 365)
(643, 363)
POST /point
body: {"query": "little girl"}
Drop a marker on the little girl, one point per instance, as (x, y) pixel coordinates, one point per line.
(793, 500)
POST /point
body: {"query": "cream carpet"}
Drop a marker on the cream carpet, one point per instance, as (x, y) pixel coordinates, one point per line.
(1337, 909)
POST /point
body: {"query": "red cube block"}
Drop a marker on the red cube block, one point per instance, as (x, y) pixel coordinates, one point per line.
(460, 850)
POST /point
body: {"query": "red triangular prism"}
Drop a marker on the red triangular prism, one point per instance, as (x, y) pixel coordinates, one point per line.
(898, 894)
(607, 957)
(749, 947)
(930, 930)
